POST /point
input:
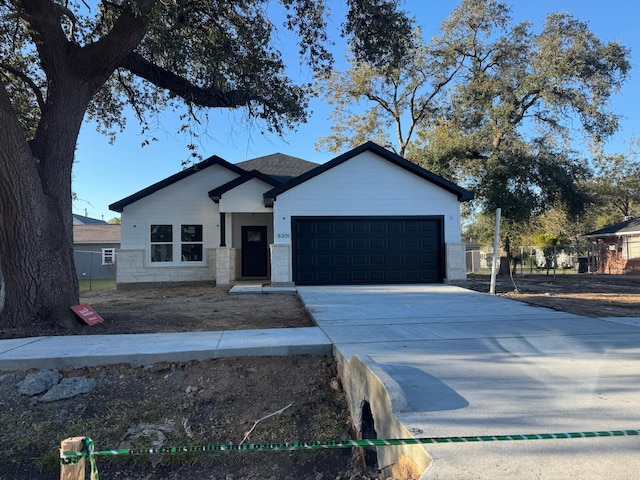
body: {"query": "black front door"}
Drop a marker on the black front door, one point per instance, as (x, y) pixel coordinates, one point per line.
(254, 251)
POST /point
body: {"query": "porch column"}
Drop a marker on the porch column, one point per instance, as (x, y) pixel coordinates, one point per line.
(456, 266)
(223, 229)
(281, 264)
(224, 256)
(225, 266)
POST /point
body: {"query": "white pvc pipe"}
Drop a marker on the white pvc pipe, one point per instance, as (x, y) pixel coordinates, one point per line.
(496, 258)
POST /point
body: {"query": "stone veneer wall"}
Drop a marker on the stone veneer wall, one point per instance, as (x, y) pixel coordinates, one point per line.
(226, 260)
(132, 268)
(456, 262)
(281, 264)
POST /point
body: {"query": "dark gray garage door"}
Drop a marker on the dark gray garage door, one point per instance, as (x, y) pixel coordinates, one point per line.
(366, 250)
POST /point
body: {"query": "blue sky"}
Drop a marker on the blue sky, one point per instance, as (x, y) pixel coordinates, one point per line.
(105, 173)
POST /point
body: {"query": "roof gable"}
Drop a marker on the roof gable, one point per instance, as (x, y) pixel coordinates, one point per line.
(628, 227)
(216, 193)
(213, 160)
(462, 194)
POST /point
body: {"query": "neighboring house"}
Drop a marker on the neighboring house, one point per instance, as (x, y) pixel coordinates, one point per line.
(365, 217)
(84, 220)
(618, 247)
(94, 250)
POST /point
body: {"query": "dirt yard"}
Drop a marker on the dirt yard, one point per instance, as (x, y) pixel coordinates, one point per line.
(199, 307)
(207, 308)
(587, 295)
(219, 401)
(193, 308)
(199, 403)
(175, 404)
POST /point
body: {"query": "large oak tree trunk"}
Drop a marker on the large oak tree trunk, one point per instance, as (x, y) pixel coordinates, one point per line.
(36, 223)
(36, 234)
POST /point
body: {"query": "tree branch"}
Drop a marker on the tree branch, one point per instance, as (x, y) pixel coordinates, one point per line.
(64, 11)
(524, 105)
(381, 101)
(28, 81)
(101, 58)
(42, 18)
(204, 97)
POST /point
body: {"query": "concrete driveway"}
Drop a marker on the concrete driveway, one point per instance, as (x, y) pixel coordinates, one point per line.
(454, 362)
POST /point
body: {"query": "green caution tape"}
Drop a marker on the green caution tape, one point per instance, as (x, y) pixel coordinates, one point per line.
(70, 457)
(89, 449)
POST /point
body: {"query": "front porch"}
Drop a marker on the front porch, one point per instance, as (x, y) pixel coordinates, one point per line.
(243, 253)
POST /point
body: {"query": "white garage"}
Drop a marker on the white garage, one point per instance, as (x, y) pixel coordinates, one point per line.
(367, 217)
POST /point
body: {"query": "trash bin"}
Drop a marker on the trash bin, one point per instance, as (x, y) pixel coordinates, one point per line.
(583, 264)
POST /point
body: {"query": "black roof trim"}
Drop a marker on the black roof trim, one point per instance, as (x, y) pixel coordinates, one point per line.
(216, 193)
(628, 227)
(463, 195)
(213, 160)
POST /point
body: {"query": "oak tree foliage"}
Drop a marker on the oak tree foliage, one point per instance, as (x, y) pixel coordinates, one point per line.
(615, 186)
(493, 104)
(379, 33)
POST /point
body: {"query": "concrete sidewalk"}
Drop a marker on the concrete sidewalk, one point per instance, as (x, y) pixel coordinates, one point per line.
(144, 349)
(453, 362)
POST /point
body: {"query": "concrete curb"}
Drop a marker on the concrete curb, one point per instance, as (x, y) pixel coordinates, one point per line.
(365, 381)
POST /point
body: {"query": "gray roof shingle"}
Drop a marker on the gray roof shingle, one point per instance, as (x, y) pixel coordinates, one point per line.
(96, 233)
(278, 165)
(628, 227)
(82, 220)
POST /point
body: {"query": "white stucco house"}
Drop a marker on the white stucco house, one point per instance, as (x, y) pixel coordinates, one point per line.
(366, 217)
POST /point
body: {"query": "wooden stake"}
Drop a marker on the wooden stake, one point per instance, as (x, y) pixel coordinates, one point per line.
(74, 471)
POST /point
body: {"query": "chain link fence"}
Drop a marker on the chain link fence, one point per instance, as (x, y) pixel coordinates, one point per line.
(531, 260)
(94, 268)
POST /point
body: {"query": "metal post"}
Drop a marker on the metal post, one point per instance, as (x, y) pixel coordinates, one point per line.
(521, 259)
(223, 229)
(496, 239)
(531, 250)
(90, 269)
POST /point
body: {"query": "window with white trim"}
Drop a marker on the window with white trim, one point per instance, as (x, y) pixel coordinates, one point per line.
(161, 243)
(108, 256)
(191, 243)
